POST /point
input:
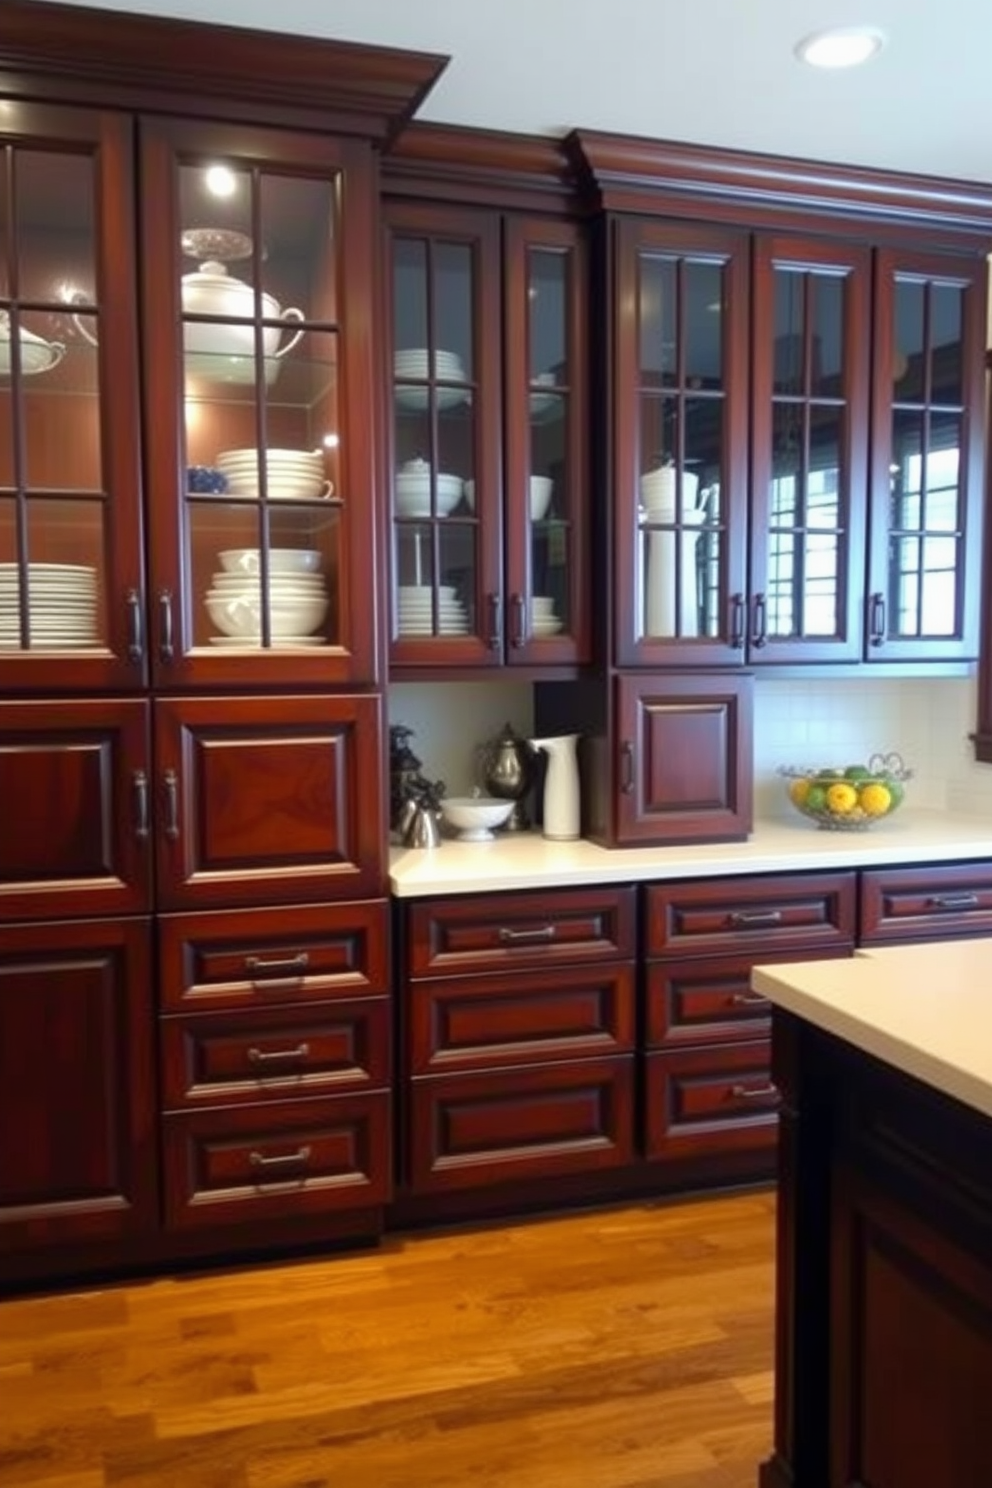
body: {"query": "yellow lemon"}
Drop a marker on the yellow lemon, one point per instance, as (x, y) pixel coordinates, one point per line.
(875, 799)
(799, 790)
(842, 798)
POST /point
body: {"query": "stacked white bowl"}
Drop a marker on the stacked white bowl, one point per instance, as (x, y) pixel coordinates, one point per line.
(659, 490)
(290, 475)
(61, 606)
(295, 597)
(413, 490)
(414, 364)
(541, 487)
(543, 620)
(415, 611)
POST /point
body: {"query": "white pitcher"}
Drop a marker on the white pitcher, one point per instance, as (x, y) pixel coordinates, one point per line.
(561, 787)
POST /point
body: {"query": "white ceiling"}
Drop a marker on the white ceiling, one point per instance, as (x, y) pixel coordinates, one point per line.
(717, 72)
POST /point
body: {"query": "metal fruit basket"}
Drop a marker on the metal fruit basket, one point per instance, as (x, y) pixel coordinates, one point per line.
(849, 798)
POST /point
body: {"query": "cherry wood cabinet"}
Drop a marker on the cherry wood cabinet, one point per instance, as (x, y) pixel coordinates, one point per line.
(926, 903)
(518, 1035)
(78, 1108)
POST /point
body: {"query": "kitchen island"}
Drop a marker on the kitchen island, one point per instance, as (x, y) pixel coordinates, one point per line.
(884, 1250)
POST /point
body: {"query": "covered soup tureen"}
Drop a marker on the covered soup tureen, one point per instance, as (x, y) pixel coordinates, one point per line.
(37, 354)
(211, 290)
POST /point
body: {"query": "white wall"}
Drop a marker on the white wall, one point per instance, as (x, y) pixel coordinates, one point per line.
(796, 723)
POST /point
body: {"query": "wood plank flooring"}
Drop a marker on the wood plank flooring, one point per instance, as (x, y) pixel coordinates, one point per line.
(626, 1348)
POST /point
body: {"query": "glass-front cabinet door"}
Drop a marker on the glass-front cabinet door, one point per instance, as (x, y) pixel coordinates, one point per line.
(925, 559)
(809, 451)
(258, 405)
(70, 554)
(680, 451)
(546, 422)
(444, 452)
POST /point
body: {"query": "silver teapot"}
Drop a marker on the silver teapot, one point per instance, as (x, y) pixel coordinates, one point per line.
(508, 768)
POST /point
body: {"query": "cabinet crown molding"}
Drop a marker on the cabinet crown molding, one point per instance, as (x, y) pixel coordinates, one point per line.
(630, 174)
(483, 166)
(92, 55)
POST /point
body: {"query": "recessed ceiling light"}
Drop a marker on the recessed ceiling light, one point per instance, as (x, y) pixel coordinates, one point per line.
(842, 46)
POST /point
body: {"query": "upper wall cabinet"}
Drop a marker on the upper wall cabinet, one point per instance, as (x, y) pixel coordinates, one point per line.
(489, 424)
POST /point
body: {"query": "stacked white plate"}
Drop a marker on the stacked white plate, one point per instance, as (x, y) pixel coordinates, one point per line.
(291, 475)
(62, 606)
(296, 601)
(543, 620)
(415, 366)
(415, 611)
(658, 492)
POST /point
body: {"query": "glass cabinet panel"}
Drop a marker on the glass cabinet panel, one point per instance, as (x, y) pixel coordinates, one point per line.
(257, 282)
(54, 559)
(550, 515)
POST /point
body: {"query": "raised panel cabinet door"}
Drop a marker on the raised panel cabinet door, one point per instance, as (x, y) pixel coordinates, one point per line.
(71, 573)
(679, 413)
(257, 319)
(928, 444)
(760, 912)
(75, 807)
(944, 899)
(706, 1101)
(78, 1124)
(683, 758)
(268, 800)
(809, 451)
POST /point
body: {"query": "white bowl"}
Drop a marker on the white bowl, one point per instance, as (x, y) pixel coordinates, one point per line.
(281, 560)
(473, 817)
(413, 495)
(541, 487)
(240, 615)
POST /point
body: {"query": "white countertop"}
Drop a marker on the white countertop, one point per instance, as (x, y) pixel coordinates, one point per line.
(527, 861)
(924, 1009)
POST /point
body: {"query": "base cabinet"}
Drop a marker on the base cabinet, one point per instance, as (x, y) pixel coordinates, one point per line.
(77, 1086)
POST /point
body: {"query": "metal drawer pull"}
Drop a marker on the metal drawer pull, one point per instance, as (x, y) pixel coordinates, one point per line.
(753, 1092)
(299, 962)
(749, 999)
(170, 785)
(954, 901)
(139, 783)
(287, 1160)
(270, 1056)
(166, 644)
(753, 919)
(508, 936)
(135, 644)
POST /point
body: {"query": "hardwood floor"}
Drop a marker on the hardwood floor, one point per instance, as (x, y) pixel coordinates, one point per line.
(627, 1348)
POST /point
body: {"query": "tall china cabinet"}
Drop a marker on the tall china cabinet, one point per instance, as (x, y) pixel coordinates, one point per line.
(194, 982)
(488, 416)
(794, 379)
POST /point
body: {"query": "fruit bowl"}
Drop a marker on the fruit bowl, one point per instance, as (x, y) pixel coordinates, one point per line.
(473, 817)
(849, 798)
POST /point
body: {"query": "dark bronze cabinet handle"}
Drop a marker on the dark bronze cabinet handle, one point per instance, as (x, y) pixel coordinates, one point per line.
(949, 902)
(876, 619)
(135, 639)
(737, 621)
(298, 963)
(495, 604)
(511, 937)
(626, 768)
(170, 784)
(755, 919)
(285, 1160)
(273, 1056)
(139, 784)
(516, 620)
(749, 999)
(753, 1092)
(759, 613)
(166, 645)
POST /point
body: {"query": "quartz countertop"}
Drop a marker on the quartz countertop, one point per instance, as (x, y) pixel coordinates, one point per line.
(526, 861)
(923, 1009)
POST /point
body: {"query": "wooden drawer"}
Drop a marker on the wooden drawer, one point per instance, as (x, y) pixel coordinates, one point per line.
(493, 1021)
(275, 1055)
(780, 911)
(709, 1000)
(448, 937)
(926, 903)
(249, 1163)
(243, 958)
(703, 1102)
(477, 1130)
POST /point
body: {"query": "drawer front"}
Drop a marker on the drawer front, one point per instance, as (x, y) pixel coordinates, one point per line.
(248, 958)
(708, 916)
(498, 1020)
(926, 903)
(710, 1000)
(271, 1055)
(486, 932)
(703, 1102)
(276, 1162)
(474, 1131)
